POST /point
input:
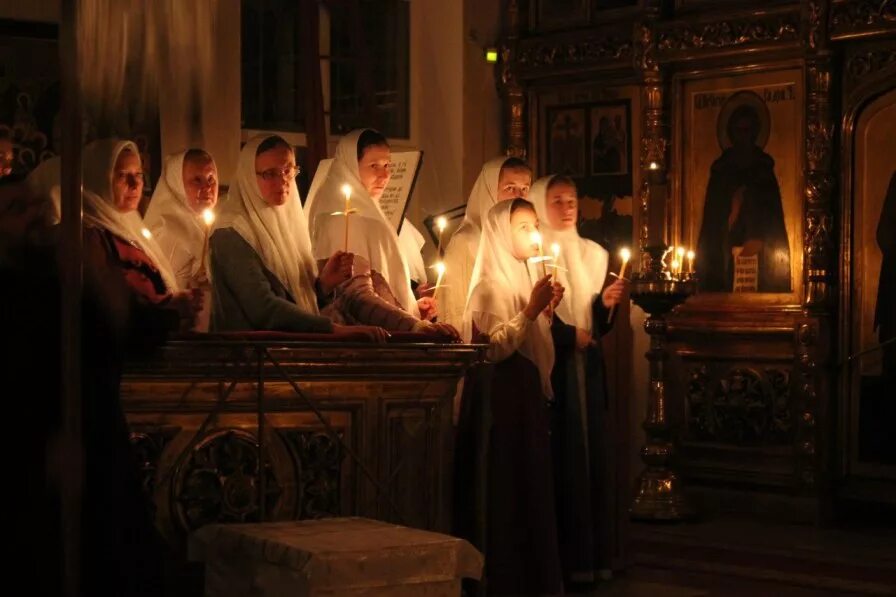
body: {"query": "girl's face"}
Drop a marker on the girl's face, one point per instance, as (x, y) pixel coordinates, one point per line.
(523, 222)
(127, 181)
(513, 183)
(200, 184)
(275, 170)
(562, 206)
(375, 170)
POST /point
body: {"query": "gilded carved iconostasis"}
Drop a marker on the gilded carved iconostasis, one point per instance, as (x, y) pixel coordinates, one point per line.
(762, 138)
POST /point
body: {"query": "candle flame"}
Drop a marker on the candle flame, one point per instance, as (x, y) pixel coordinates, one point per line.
(208, 216)
(146, 233)
(555, 249)
(653, 166)
(440, 269)
(679, 252)
(535, 237)
(675, 265)
(441, 223)
(691, 255)
(347, 191)
(625, 254)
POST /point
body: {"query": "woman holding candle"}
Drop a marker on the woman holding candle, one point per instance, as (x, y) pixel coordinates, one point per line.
(501, 179)
(115, 234)
(379, 291)
(263, 274)
(509, 304)
(180, 216)
(581, 438)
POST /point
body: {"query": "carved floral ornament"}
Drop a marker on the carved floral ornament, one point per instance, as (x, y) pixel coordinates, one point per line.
(847, 17)
(586, 51)
(730, 33)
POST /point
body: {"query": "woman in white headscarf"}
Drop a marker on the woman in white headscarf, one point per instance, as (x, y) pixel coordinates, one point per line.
(500, 179)
(508, 302)
(581, 439)
(264, 276)
(113, 228)
(380, 291)
(188, 186)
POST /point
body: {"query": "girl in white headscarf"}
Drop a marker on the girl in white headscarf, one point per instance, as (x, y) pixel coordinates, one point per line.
(508, 302)
(380, 291)
(113, 188)
(581, 439)
(500, 179)
(264, 276)
(188, 186)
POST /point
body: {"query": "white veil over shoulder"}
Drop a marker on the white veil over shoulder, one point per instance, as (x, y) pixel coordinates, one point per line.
(370, 234)
(279, 235)
(99, 160)
(584, 262)
(500, 289)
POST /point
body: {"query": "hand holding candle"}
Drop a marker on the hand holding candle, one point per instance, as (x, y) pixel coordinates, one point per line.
(208, 216)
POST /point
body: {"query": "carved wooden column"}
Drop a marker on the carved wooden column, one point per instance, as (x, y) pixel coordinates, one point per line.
(513, 96)
(819, 254)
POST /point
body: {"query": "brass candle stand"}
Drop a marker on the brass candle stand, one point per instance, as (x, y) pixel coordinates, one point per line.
(659, 495)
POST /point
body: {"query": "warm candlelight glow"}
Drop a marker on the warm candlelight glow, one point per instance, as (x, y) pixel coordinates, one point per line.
(347, 191)
(653, 166)
(555, 250)
(146, 233)
(208, 216)
(535, 237)
(691, 256)
(442, 223)
(625, 254)
(679, 258)
(440, 270)
(675, 265)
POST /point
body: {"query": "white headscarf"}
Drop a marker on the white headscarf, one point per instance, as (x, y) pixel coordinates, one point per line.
(279, 235)
(370, 234)
(99, 160)
(45, 181)
(169, 213)
(482, 197)
(500, 289)
(584, 262)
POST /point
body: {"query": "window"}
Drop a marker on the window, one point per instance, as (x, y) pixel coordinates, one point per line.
(365, 65)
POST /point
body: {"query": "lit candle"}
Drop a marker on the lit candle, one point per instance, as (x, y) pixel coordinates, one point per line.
(347, 191)
(208, 216)
(625, 254)
(535, 237)
(675, 266)
(555, 251)
(441, 224)
(691, 256)
(440, 270)
(146, 233)
(679, 258)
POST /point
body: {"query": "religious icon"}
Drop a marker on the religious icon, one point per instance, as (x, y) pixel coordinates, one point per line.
(566, 147)
(609, 139)
(743, 239)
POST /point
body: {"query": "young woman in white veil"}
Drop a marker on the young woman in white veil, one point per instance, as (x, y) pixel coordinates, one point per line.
(263, 274)
(379, 292)
(500, 179)
(581, 438)
(508, 303)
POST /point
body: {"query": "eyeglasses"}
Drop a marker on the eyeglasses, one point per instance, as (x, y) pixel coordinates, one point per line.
(272, 174)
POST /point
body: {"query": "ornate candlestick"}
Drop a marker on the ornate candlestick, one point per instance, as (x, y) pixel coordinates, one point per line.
(659, 495)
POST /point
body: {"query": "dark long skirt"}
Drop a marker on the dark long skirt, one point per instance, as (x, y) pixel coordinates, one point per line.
(514, 514)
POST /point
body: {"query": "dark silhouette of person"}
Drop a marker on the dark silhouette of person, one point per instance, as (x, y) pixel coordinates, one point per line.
(885, 310)
(743, 212)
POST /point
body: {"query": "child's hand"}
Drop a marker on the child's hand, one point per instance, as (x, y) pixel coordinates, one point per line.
(540, 298)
